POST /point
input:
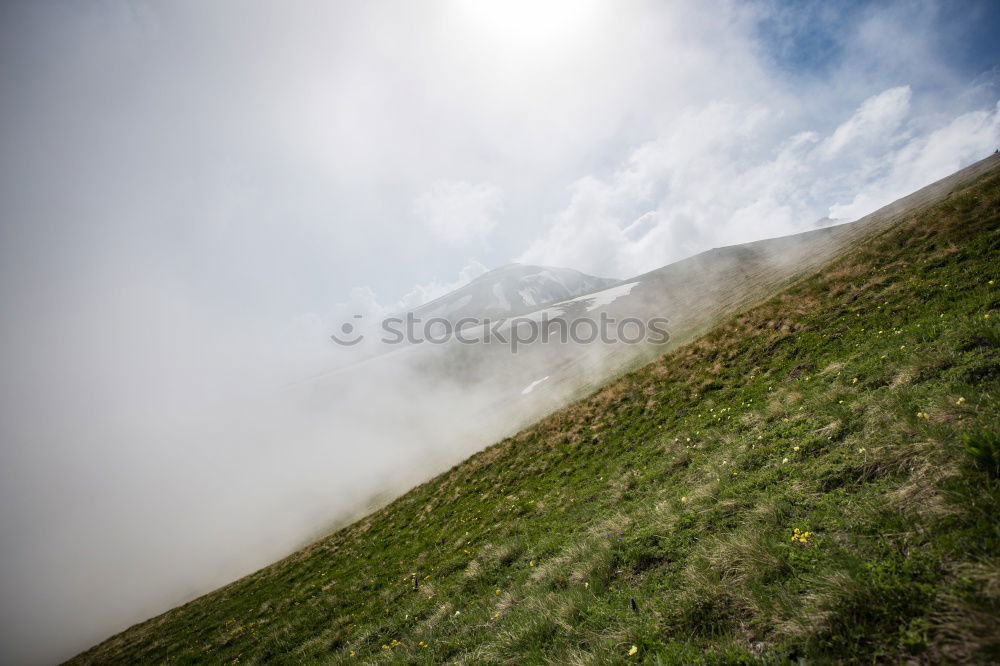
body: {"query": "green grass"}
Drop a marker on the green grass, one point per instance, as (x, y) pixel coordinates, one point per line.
(859, 406)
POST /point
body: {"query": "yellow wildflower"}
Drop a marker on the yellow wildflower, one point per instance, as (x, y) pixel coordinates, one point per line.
(684, 500)
(800, 536)
(633, 651)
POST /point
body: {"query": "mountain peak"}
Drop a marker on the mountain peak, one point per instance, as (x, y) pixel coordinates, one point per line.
(511, 289)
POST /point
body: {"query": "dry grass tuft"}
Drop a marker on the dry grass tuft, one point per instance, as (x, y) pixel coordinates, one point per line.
(967, 628)
(443, 611)
(473, 569)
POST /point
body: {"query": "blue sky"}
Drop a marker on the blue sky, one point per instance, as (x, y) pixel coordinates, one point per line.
(807, 38)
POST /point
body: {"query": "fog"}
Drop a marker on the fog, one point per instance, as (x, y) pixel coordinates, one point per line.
(137, 476)
(193, 196)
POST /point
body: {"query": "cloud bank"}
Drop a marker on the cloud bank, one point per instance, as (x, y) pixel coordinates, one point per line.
(695, 187)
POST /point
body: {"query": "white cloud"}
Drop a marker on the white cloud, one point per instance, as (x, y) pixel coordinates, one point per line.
(425, 293)
(364, 302)
(458, 212)
(924, 159)
(714, 179)
(876, 122)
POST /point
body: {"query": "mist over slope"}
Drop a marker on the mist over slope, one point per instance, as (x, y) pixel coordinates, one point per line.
(812, 479)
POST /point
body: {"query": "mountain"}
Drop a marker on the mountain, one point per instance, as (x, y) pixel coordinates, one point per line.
(806, 472)
(692, 294)
(510, 290)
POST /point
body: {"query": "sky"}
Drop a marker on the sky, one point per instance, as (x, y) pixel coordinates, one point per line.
(193, 195)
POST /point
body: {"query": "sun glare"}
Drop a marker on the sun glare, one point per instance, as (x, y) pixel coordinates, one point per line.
(532, 28)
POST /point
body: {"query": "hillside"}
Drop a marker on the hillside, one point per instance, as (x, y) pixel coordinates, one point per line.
(815, 478)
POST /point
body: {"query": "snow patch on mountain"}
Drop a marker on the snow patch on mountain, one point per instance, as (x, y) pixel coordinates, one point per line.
(531, 387)
(528, 296)
(502, 303)
(606, 297)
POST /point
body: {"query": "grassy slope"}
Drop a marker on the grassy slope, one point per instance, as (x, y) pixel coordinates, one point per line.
(838, 407)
